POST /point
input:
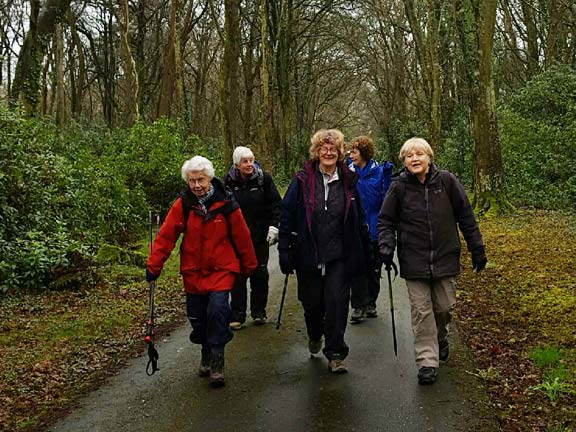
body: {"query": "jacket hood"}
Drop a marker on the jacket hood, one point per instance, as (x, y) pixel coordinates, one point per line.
(368, 169)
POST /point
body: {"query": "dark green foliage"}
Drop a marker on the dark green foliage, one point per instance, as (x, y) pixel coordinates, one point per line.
(538, 126)
(388, 144)
(63, 194)
(457, 150)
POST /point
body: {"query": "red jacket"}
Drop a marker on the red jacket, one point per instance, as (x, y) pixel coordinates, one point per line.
(216, 246)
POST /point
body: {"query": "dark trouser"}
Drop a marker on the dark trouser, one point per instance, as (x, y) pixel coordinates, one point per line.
(365, 288)
(209, 315)
(325, 301)
(258, 288)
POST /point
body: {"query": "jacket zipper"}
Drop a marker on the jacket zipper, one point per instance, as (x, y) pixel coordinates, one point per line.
(430, 233)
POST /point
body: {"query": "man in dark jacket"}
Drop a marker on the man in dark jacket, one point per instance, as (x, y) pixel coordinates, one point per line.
(324, 237)
(423, 211)
(260, 202)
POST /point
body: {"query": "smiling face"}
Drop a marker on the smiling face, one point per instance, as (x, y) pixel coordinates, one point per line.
(328, 157)
(246, 167)
(199, 183)
(417, 161)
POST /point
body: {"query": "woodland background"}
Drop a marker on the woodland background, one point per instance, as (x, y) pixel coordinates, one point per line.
(102, 101)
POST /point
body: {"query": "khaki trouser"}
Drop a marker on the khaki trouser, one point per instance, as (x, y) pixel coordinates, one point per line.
(431, 304)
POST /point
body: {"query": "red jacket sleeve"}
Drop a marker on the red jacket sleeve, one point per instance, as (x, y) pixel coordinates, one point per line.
(242, 242)
(166, 239)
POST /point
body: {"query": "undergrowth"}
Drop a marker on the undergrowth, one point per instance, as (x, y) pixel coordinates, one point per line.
(517, 311)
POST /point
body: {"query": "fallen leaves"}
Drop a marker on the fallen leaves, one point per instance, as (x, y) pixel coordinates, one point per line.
(526, 299)
(57, 345)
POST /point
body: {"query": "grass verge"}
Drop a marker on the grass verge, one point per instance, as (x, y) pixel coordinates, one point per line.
(57, 345)
(525, 303)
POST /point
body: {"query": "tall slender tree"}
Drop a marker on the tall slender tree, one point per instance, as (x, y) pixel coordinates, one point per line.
(476, 20)
(229, 70)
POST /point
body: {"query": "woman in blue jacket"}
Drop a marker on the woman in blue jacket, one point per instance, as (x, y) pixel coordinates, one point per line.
(323, 236)
(373, 182)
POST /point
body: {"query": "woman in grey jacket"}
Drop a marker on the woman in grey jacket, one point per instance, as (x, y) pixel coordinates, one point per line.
(422, 213)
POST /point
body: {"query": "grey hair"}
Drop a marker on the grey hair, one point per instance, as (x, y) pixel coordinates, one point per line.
(240, 153)
(198, 163)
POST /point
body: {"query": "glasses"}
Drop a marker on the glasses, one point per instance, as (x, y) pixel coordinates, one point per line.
(324, 151)
(200, 182)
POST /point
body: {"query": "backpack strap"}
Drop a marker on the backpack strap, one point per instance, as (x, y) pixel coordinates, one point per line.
(186, 196)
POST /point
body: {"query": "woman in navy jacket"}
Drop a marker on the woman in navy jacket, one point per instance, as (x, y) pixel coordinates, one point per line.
(422, 214)
(324, 237)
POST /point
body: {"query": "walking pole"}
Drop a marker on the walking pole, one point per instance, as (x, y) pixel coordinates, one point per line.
(282, 302)
(388, 271)
(152, 365)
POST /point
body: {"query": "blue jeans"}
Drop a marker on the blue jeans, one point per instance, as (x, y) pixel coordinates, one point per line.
(209, 314)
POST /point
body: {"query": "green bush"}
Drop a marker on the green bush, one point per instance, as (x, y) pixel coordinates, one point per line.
(64, 194)
(537, 129)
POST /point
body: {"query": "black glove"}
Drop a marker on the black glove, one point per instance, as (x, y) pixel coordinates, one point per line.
(387, 260)
(150, 276)
(479, 263)
(286, 262)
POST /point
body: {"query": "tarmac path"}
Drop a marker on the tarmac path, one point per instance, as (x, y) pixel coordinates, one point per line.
(273, 384)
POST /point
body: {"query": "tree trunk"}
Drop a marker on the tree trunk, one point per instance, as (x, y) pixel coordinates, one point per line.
(554, 24)
(283, 66)
(265, 130)
(229, 77)
(168, 102)
(26, 85)
(427, 46)
(61, 115)
(532, 65)
(477, 40)
(78, 89)
(250, 73)
(131, 102)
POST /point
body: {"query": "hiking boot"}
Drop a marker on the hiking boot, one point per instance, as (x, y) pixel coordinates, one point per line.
(371, 312)
(236, 325)
(314, 346)
(260, 321)
(357, 315)
(336, 366)
(217, 370)
(427, 375)
(204, 369)
(443, 350)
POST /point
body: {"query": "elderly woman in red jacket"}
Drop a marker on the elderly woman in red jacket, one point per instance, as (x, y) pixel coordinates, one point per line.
(216, 248)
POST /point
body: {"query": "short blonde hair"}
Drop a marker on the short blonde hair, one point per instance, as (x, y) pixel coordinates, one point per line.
(416, 144)
(197, 163)
(327, 136)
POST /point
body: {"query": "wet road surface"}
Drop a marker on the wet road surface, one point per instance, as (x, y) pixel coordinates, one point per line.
(273, 384)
